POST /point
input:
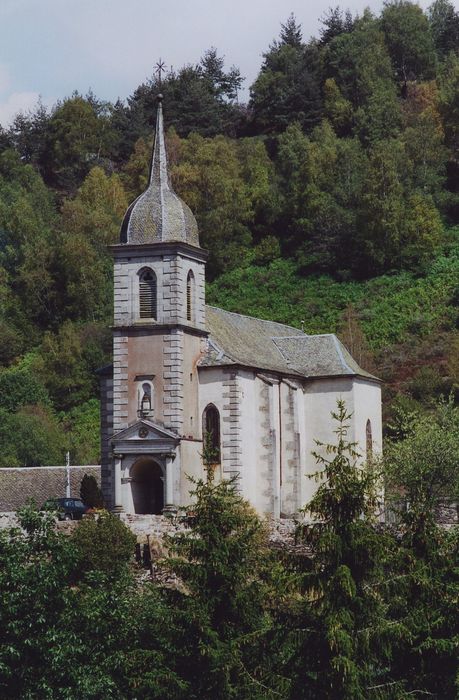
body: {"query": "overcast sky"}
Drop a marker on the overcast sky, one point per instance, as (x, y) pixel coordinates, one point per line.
(49, 48)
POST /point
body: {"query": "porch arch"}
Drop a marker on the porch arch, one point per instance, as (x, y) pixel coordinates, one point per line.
(147, 484)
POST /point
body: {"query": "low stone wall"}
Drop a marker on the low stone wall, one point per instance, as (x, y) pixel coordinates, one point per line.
(157, 526)
(8, 519)
(447, 513)
(151, 529)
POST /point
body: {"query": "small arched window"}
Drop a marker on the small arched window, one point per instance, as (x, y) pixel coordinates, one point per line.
(369, 439)
(211, 434)
(147, 294)
(189, 296)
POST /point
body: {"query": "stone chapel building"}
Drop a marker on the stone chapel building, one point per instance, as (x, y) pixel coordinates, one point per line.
(261, 390)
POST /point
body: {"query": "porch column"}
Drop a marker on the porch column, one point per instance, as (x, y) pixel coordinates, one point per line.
(169, 505)
(118, 507)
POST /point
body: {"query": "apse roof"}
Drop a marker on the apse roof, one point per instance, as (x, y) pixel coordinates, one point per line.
(253, 342)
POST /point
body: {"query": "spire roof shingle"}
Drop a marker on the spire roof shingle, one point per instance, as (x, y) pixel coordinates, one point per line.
(159, 215)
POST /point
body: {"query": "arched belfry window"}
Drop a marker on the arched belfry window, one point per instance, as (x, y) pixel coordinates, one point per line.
(369, 439)
(211, 433)
(189, 296)
(147, 294)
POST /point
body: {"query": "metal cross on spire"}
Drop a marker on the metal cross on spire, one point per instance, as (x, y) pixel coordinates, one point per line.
(160, 69)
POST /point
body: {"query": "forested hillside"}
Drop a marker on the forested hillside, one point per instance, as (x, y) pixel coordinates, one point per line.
(330, 199)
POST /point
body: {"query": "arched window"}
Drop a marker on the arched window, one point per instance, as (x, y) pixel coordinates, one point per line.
(369, 439)
(211, 434)
(189, 296)
(147, 294)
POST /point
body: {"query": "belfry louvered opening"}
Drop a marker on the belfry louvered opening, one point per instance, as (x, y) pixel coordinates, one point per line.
(147, 294)
(189, 296)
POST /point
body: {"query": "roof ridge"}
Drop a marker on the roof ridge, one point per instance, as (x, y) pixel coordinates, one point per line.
(255, 318)
(340, 354)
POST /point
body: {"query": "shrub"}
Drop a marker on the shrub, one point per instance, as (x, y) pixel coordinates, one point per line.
(90, 493)
(104, 544)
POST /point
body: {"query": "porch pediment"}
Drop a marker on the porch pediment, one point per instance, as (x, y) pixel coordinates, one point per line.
(144, 436)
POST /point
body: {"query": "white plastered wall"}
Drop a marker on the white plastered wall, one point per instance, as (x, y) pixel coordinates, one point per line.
(367, 406)
(250, 479)
(188, 464)
(320, 399)
(259, 430)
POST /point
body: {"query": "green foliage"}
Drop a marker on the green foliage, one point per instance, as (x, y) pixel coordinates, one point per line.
(68, 361)
(329, 200)
(288, 85)
(359, 63)
(397, 231)
(31, 437)
(223, 186)
(409, 40)
(425, 463)
(20, 386)
(390, 307)
(444, 26)
(103, 543)
(60, 640)
(227, 573)
(362, 615)
(82, 427)
(347, 648)
(421, 469)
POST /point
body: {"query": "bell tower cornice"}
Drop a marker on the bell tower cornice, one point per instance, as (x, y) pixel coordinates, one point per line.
(157, 249)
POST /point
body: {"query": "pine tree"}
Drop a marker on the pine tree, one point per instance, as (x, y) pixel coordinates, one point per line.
(346, 637)
(291, 33)
(228, 579)
(90, 493)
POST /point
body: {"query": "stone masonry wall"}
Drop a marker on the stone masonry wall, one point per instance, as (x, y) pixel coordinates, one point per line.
(267, 448)
(173, 380)
(231, 433)
(290, 477)
(106, 431)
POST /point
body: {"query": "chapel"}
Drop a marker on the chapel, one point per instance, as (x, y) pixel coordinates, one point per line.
(257, 393)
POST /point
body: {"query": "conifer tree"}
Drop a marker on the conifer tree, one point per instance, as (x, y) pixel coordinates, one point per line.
(346, 638)
(227, 575)
(90, 492)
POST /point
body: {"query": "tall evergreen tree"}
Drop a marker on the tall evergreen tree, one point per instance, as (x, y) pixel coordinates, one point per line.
(288, 86)
(347, 638)
(224, 610)
(444, 26)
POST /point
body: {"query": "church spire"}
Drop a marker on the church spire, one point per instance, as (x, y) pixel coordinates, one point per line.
(159, 215)
(159, 176)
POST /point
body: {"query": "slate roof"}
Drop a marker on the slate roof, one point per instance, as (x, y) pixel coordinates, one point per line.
(159, 215)
(20, 484)
(253, 342)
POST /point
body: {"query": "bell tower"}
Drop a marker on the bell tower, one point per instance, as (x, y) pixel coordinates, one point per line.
(158, 337)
